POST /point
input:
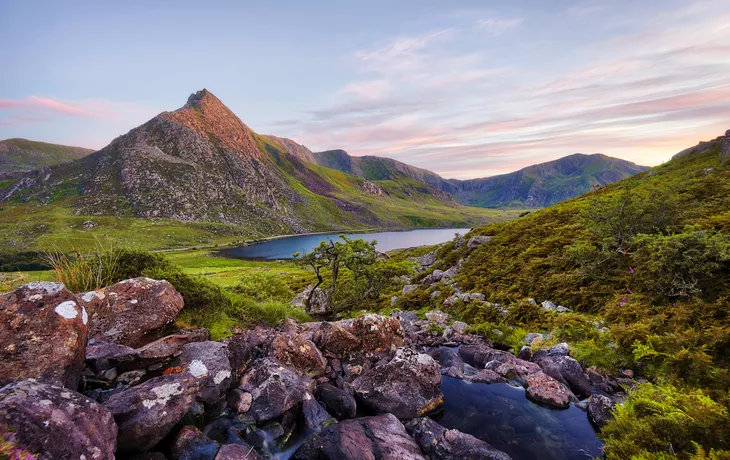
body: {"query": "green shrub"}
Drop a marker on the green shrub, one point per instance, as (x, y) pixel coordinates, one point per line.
(666, 420)
(262, 286)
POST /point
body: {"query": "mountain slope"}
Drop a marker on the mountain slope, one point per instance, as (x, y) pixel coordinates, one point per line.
(25, 155)
(200, 163)
(536, 186)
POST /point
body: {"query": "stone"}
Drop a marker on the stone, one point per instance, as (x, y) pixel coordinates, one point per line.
(236, 452)
(381, 437)
(459, 327)
(487, 376)
(101, 355)
(600, 409)
(561, 349)
(56, 423)
(408, 386)
(336, 401)
(274, 389)
(133, 312)
(319, 304)
(409, 288)
(545, 389)
(335, 339)
(146, 413)
(567, 371)
(315, 416)
(437, 316)
(524, 353)
(378, 334)
(475, 241)
(43, 331)
(427, 260)
(239, 401)
(130, 378)
(298, 353)
(248, 347)
(191, 444)
(207, 361)
(549, 306)
(438, 443)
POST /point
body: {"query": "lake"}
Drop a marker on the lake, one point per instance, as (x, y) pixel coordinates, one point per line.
(283, 248)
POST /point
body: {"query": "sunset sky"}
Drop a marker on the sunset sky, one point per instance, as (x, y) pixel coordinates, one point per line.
(463, 88)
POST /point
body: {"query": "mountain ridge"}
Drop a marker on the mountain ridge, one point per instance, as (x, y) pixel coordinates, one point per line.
(19, 155)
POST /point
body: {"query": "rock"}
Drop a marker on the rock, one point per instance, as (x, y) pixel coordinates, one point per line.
(438, 443)
(549, 306)
(131, 377)
(207, 361)
(335, 339)
(146, 413)
(525, 353)
(55, 423)
(239, 401)
(43, 333)
(459, 327)
(436, 316)
(451, 272)
(133, 312)
(427, 260)
(409, 288)
(475, 241)
(101, 355)
(274, 389)
(567, 371)
(315, 416)
(299, 353)
(191, 444)
(336, 401)
(408, 386)
(433, 278)
(600, 409)
(319, 304)
(378, 334)
(381, 437)
(236, 452)
(487, 376)
(545, 389)
(561, 349)
(532, 336)
(248, 347)
(168, 347)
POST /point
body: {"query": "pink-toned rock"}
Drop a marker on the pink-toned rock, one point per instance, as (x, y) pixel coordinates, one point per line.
(43, 331)
(379, 335)
(133, 312)
(236, 452)
(335, 339)
(545, 389)
(299, 353)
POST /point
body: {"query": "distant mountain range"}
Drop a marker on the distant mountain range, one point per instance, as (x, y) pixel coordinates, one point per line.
(25, 155)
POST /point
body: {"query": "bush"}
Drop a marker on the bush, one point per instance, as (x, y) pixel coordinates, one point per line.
(666, 420)
(264, 286)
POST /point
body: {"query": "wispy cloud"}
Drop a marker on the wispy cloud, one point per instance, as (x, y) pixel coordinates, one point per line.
(497, 26)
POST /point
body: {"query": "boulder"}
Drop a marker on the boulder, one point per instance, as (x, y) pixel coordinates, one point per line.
(248, 347)
(426, 260)
(378, 334)
(475, 241)
(101, 356)
(43, 333)
(319, 304)
(408, 386)
(336, 401)
(146, 413)
(600, 409)
(487, 376)
(409, 288)
(315, 416)
(567, 371)
(436, 316)
(381, 437)
(545, 389)
(133, 312)
(438, 443)
(549, 306)
(207, 361)
(459, 327)
(191, 444)
(334, 339)
(274, 389)
(236, 452)
(298, 353)
(54, 423)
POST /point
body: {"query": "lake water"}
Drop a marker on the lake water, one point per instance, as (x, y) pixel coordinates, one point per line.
(500, 415)
(283, 248)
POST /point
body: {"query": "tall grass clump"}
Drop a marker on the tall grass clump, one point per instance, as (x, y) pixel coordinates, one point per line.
(86, 272)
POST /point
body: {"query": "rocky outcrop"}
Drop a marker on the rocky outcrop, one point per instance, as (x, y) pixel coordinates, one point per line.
(438, 443)
(318, 304)
(378, 334)
(298, 353)
(146, 413)
(408, 386)
(133, 312)
(43, 331)
(334, 339)
(274, 389)
(381, 437)
(55, 423)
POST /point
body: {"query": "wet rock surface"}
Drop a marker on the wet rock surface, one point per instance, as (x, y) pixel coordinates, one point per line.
(54, 422)
(439, 443)
(43, 332)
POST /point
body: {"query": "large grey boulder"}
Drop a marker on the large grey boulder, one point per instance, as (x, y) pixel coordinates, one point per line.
(600, 409)
(475, 241)
(207, 361)
(438, 443)
(52, 422)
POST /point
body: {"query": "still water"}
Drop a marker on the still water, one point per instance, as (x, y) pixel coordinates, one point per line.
(386, 241)
(500, 415)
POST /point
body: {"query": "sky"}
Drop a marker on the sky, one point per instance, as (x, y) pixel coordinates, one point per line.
(463, 88)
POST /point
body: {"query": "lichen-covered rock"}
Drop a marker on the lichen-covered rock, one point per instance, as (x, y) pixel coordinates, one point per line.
(408, 386)
(378, 334)
(207, 361)
(133, 312)
(545, 389)
(567, 371)
(381, 437)
(146, 413)
(335, 339)
(43, 331)
(475, 241)
(274, 389)
(315, 416)
(438, 443)
(336, 401)
(236, 452)
(318, 304)
(299, 353)
(487, 376)
(101, 355)
(600, 409)
(436, 316)
(191, 444)
(56, 423)
(248, 347)
(409, 288)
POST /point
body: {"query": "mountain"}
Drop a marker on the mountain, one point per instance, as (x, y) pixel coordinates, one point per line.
(24, 155)
(201, 163)
(536, 186)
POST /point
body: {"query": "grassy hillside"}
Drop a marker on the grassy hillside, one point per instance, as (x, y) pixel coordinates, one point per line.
(24, 155)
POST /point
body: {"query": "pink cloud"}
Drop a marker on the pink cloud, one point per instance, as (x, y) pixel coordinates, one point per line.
(35, 108)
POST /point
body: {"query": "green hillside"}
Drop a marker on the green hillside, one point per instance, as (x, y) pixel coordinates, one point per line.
(24, 155)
